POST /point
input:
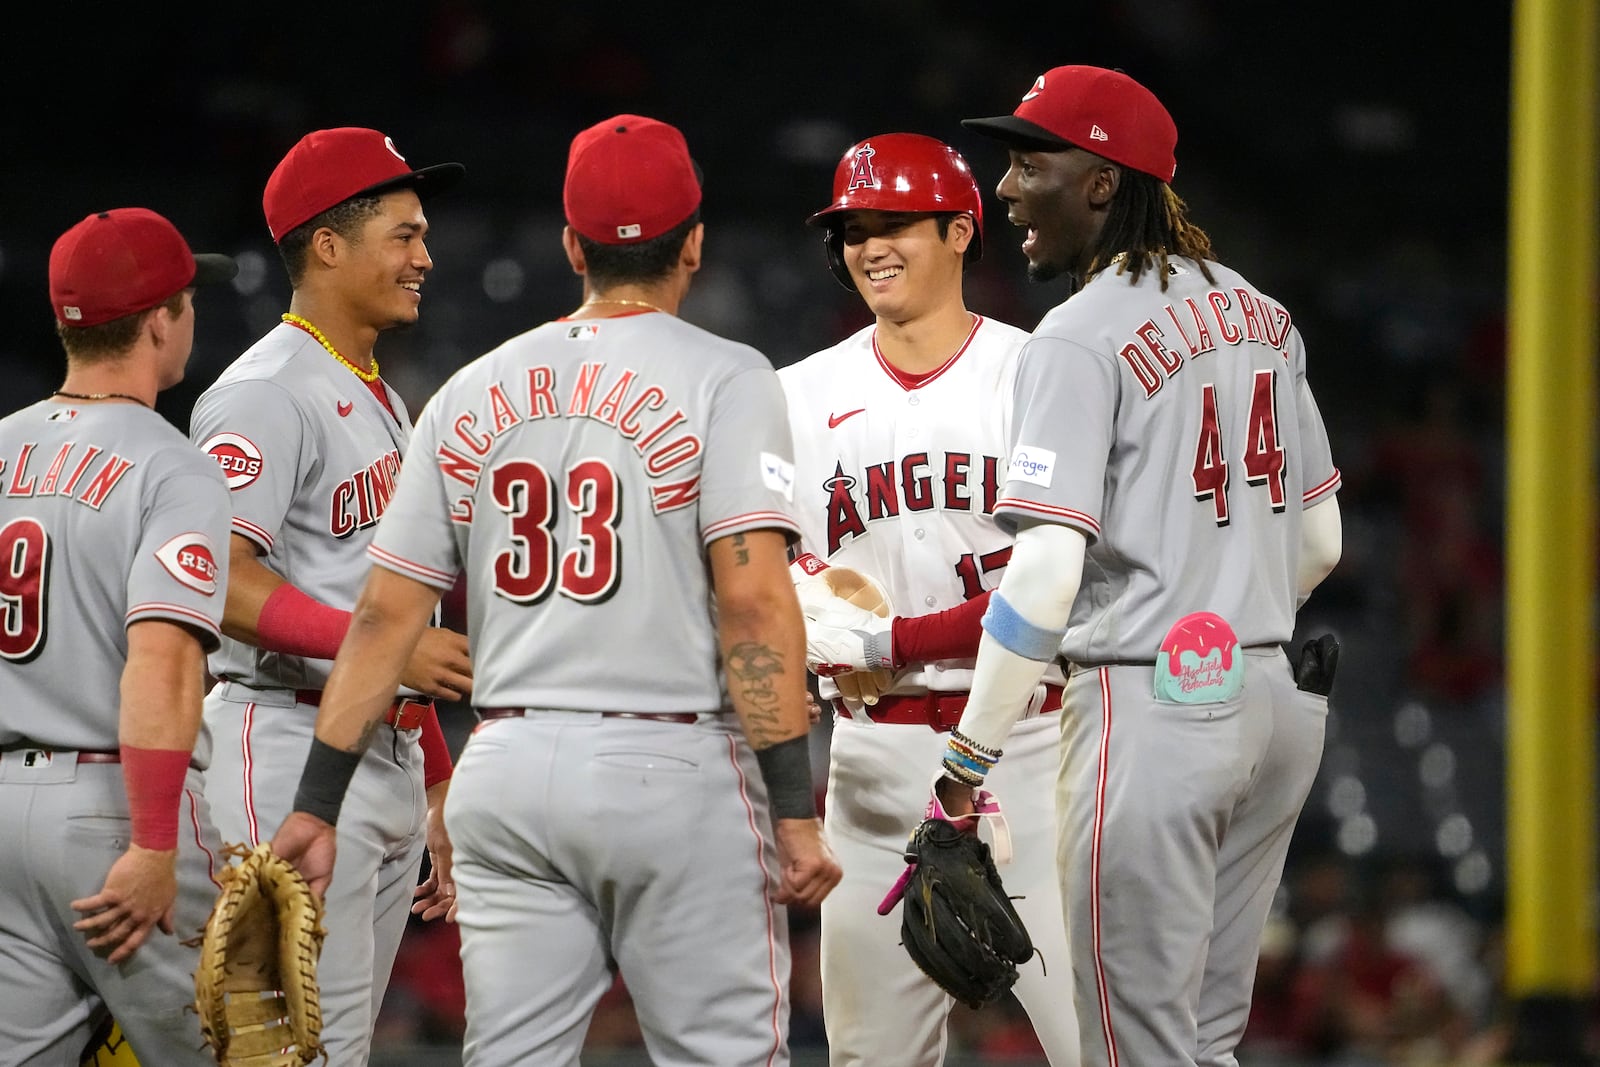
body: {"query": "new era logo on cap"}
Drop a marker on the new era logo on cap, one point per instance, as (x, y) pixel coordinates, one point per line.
(1091, 107)
(328, 167)
(629, 179)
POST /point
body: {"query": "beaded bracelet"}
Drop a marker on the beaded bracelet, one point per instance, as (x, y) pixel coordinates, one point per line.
(967, 761)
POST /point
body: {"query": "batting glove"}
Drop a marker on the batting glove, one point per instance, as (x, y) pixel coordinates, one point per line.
(841, 637)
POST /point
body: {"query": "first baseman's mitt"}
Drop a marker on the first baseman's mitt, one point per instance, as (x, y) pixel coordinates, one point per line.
(957, 923)
(256, 985)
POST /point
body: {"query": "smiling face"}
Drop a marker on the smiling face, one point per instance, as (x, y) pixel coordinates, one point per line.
(1061, 199)
(386, 262)
(902, 267)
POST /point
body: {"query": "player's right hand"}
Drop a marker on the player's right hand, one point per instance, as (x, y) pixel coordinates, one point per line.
(440, 665)
(310, 844)
(138, 894)
(808, 869)
(864, 687)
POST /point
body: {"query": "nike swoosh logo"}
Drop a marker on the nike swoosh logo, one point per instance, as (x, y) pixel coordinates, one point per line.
(345, 408)
(835, 420)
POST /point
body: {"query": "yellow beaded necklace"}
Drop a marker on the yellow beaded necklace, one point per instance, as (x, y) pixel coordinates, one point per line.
(367, 376)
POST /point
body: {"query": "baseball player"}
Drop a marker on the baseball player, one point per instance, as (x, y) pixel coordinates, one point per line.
(111, 577)
(617, 487)
(900, 437)
(1171, 487)
(310, 439)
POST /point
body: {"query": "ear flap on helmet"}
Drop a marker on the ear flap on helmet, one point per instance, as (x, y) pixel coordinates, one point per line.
(833, 241)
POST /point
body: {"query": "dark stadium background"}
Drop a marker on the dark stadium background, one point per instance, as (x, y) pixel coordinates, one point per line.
(1349, 158)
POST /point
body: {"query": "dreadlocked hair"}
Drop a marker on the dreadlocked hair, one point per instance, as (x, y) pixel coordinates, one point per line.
(1148, 224)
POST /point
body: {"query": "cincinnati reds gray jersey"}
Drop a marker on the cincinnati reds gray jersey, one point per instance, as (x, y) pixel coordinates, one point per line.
(1200, 445)
(108, 517)
(897, 478)
(311, 457)
(575, 474)
(1176, 430)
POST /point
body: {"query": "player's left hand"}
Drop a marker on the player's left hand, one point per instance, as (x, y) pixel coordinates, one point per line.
(437, 895)
(311, 845)
(848, 638)
(138, 894)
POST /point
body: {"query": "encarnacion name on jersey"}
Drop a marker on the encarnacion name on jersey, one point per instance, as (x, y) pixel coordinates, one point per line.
(618, 399)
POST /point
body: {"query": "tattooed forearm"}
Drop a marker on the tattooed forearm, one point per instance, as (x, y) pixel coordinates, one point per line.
(365, 739)
(753, 670)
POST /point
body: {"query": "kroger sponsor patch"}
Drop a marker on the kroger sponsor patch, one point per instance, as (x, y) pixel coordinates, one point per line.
(1030, 463)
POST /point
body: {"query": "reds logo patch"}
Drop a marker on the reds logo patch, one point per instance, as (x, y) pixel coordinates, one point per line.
(189, 559)
(238, 457)
(862, 175)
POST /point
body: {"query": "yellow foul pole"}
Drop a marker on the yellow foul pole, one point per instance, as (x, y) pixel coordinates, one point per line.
(1550, 784)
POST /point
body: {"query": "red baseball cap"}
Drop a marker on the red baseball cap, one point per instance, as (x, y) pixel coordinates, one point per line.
(629, 179)
(119, 262)
(328, 167)
(1103, 111)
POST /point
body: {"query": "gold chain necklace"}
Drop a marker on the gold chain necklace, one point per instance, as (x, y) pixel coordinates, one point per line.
(99, 396)
(591, 302)
(367, 376)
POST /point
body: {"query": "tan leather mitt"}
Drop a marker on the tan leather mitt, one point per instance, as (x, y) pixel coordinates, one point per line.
(256, 985)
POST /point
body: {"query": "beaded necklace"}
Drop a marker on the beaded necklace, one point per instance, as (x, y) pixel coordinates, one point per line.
(367, 376)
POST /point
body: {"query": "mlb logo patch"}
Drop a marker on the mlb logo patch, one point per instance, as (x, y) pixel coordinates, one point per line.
(583, 331)
(1199, 661)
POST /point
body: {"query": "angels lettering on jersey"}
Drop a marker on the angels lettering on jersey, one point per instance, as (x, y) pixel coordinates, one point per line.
(921, 481)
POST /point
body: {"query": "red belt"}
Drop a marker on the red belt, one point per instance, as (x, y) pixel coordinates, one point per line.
(689, 717)
(407, 713)
(939, 711)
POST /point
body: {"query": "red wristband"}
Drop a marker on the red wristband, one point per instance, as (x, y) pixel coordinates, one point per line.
(153, 778)
(293, 623)
(950, 634)
(437, 765)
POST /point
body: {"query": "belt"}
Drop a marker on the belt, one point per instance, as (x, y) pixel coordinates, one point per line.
(85, 755)
(1096, 664)
(688, 717)
(406, 713)
(938, 711)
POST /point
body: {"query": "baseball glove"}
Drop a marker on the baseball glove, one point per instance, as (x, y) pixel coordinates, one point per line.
(957, 923)
(256, 985)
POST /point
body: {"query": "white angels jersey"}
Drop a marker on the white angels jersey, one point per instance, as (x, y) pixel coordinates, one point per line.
(108, 516)
(899, 478)
(576, 475)
(311, 457)
(1177, 431)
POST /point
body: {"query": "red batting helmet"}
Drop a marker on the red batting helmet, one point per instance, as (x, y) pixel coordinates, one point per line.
(905, 172)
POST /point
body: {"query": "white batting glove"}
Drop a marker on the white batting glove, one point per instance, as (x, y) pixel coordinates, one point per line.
(841, 637)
